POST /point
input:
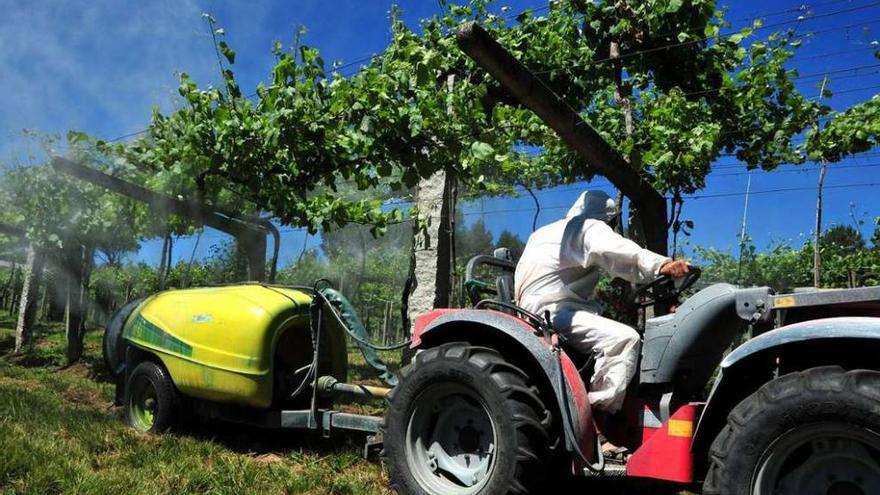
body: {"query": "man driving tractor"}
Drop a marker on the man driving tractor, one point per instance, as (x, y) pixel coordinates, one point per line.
(558, 272)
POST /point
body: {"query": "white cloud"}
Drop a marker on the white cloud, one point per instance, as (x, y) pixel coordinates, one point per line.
(96, 66)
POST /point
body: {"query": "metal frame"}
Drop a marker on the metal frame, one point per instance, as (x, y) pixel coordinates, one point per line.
(825, 297)
(324, 420)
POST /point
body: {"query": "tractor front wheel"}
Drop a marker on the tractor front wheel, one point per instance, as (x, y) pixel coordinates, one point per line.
(463, 421)
(811, 432)
(150, 398)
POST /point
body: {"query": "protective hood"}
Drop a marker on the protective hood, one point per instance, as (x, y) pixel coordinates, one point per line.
(597, 205)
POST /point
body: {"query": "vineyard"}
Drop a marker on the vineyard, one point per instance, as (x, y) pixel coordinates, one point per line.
(374, 174)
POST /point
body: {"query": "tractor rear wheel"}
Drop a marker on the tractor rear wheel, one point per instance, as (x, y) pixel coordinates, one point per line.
(811, 432)
(464, 421)
(151, 399)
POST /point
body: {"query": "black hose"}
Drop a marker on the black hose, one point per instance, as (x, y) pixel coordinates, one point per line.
(568, 428)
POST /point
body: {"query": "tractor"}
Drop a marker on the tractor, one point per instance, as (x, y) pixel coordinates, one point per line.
(494, 403)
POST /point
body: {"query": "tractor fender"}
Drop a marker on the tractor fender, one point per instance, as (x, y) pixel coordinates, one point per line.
(517, 340)
(823, 329)
(827, 341)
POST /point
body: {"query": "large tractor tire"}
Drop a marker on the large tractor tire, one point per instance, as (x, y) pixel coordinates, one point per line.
(151, 399)
(815, 432)
(463, 421)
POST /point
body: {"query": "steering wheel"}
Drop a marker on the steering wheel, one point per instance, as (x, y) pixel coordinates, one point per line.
(663, 289)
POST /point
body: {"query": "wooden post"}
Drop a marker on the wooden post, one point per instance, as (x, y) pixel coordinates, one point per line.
(16, 290)
(88, 264)
(532, 93)
(73, 264)
(817, 237)
(7, 290)
(32, 272)
(163, 260)
(451, 198)
(386, 322)
(58, 291)
(239, 226)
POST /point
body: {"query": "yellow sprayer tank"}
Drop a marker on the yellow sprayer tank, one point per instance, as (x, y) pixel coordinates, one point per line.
(225, 343)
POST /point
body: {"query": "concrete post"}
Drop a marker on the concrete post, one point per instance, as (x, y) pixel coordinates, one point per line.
(24, 328)
(431, 263)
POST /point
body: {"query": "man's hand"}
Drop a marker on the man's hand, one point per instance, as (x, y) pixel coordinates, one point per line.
(675, 269)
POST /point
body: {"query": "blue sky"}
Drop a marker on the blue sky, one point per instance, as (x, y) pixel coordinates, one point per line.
(100, 66)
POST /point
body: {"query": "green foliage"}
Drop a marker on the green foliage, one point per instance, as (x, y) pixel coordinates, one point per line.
(371, 272)
(842, 238)
(694, 91)
(875, 239)
(781, 266)
(312, 136)
(512, 242)
(852, 131)
(55, 209)
(784, 267)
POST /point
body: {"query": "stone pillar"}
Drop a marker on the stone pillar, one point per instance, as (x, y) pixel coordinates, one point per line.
(431, 261)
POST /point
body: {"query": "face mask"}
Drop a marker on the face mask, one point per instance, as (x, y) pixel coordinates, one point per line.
(612, 222)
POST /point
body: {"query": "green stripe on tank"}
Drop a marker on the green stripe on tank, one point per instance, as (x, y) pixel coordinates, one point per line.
(144, 331)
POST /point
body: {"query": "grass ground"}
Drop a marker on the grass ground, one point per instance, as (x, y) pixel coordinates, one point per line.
(59, 433)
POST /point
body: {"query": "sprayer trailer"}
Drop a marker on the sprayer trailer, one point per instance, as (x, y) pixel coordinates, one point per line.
(494, 400)
(263, 355)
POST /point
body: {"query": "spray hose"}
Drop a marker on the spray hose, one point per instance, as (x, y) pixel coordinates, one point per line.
(569, 425)
(346, 316)
(317, 292)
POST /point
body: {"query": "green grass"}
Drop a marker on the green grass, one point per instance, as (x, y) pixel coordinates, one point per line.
(59, 433)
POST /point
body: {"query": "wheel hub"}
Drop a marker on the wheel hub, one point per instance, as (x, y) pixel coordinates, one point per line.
(469, 439)
(451, 441)
(143, 404)
(821, 459)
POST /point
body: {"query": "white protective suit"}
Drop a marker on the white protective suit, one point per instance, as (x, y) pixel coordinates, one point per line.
(559, 270)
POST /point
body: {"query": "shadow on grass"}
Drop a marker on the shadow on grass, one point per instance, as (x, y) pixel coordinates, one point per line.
(249, 440)
(7, 344)
(246, 439)
(98, 370)
(32, 360)
(49, 351)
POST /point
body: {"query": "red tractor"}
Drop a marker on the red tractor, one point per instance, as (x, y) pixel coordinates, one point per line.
(493, 402)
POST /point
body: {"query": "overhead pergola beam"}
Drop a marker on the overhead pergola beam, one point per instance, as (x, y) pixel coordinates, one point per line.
(532, 93)
(250, 232)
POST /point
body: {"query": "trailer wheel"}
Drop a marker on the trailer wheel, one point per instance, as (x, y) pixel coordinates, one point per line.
(816, 432)
(151, 400)
(464, 421)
